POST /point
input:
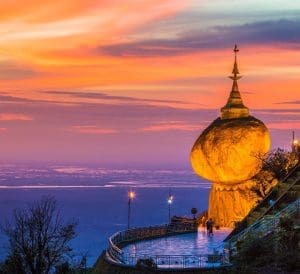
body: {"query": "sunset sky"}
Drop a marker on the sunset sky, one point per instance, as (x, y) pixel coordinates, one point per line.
(134, 82)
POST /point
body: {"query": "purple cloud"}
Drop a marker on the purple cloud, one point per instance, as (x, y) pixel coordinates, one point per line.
(113, 133)
(103, 96)
(285, 32)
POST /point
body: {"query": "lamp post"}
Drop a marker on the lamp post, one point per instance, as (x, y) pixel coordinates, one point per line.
(131, 195)
(295, 146)
(170, 201)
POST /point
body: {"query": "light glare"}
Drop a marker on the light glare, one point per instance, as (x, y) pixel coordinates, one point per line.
(131, 195)
(170, 199)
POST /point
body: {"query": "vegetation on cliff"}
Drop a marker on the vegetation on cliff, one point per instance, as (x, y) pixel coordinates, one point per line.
(279, 250)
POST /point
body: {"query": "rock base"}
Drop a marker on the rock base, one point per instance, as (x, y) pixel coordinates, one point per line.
(228, 205)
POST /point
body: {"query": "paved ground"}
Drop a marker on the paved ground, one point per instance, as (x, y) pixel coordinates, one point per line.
(185, 244)
(194, 247)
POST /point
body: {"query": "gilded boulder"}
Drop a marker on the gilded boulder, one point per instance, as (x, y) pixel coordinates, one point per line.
(228, 150)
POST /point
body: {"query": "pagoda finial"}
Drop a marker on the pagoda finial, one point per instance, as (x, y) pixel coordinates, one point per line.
(234, 107)
(235, 70)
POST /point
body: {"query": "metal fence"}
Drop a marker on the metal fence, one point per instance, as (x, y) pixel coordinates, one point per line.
(265, 225)
(178, 261)
(122, 238)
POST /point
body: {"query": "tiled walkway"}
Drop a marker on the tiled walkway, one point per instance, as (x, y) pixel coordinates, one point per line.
(185, 244)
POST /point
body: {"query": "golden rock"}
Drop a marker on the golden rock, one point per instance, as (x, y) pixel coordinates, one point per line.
(228, 153)
(228, 206)
(228, 150)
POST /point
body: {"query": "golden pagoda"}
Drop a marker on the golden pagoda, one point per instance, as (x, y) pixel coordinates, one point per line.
(234, 107)
(227, 153)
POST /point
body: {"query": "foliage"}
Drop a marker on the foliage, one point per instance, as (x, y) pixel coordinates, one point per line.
(12, 265)
(286, 223)
(146, 264)
(279, 162)
(63, 268)
(78, 267)
(255, 251)
(281, 248)
(287, 245)
(266, 182)
(275, 166)
(38, 238)
(194, 212)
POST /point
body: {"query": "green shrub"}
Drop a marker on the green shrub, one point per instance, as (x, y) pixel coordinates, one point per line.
(255, 251)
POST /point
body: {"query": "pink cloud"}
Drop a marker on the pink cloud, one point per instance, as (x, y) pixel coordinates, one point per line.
(92, 130)
(173, 125)
(2, 129)
(284, 125)
(14, 117)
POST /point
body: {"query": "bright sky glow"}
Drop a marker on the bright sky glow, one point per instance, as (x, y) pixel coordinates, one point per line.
(113, 82)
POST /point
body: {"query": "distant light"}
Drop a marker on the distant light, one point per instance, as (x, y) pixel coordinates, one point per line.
(170, 200)
(296, 142)
(131, 194)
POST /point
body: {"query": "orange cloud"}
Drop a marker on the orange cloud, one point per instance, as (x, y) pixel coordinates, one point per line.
(14, 117)
(36, 11)
(59, 44)
(284, 125)
(59, 40)
(81, 22)
(199, 78)
(173, 125)
(153, 53)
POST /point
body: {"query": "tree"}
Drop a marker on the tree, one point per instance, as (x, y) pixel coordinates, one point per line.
(278, 249)
(38, 238)
(279, 162)
(288, 237)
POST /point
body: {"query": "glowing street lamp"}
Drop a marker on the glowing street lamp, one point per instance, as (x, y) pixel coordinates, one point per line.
(296, 148)
(131, 196)
(170, 202)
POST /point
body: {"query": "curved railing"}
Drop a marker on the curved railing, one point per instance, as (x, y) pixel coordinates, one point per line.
(113, 250)
(116, 255)
(122, 238)
(180, 261)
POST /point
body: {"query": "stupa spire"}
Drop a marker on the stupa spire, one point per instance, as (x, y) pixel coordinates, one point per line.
(235, 70)
(234, 107)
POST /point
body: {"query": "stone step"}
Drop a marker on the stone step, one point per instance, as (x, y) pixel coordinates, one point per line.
(284, 185)
(288, 181)
(251, 221)
(295, 194)
(253, 216)
(261, 210)
(296, 188)
(281, 206)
